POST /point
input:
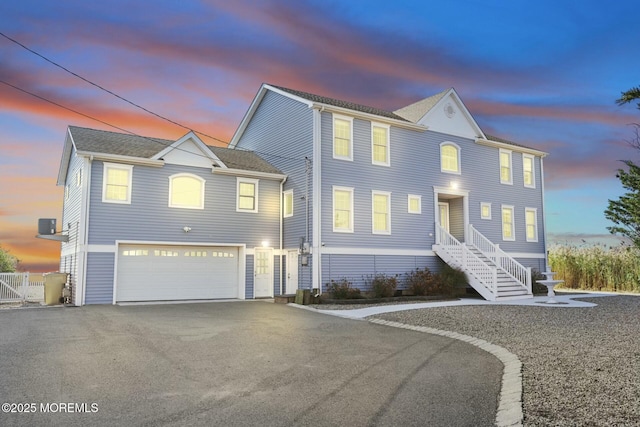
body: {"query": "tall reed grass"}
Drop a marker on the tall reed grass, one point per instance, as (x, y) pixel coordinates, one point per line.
(597, 268)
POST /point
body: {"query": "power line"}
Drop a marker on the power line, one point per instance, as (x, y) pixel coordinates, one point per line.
(126, 130)
(107, 90)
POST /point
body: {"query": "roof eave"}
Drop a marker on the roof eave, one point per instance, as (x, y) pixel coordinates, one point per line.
(512, 147)
(121, 159)
(373, 117)
(253, 174)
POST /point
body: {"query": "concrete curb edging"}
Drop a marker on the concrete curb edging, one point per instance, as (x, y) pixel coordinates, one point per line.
(510, 402)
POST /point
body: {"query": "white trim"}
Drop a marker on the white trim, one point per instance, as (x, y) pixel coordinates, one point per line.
(101, 248)
(105, 168)
(316, 190)
(81, 272)
(250, 174)
(285, 194)
(270, 256)
(535, 224)
(387, 128)
(333, 140)
(453, 192)
(544, 214)
(531, 255)
(513, 223)
(255, 182)
(458, 151)
(533, 170)
(510, 153)
(186, 175)
(331, 250)
(482, 206)
(333, 209)
(373, 220)
(419, 198)
(484, 141)
(120, 159)
(197, 141)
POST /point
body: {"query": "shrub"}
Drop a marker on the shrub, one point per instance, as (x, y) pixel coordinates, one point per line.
(450, 278)
(382, 285)
(342, 289)
(420, 282)
(536, 287)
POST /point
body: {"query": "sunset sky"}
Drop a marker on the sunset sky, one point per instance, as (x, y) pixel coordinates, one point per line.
(545, 74)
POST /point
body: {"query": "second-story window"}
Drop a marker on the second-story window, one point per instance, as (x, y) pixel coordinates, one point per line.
(342, 137)
(506, 176)
(186, 191)
(449, 157)
(247, 195)
(380, 144)
(528, 171)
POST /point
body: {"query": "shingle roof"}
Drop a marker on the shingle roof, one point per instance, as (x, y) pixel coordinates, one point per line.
(342, 104)
(417, 110)
(505, 141)
(105, 142)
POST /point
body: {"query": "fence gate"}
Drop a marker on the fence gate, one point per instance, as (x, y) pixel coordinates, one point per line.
(15, 287)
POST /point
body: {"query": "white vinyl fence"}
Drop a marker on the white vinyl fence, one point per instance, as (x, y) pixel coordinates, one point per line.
(18, 287)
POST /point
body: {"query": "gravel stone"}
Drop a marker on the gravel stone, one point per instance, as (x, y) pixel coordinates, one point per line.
(581, 366)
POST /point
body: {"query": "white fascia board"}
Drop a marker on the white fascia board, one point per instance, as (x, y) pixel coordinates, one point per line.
(199, 143)
(69, 146)
(367, 116)
(251, 174)
(121, 159)
(456, 98)
(516, 148)
(376, 251)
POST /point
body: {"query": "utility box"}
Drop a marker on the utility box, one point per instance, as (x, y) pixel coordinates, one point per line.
(303, 297)
(53, 285)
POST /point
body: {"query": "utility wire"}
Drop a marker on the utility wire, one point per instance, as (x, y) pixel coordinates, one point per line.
(107, 90)
(128, 131)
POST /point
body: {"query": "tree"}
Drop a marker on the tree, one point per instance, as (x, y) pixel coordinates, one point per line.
(8, 262)
(625, 212)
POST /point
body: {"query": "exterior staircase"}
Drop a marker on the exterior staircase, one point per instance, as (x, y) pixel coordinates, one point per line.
(494, 274)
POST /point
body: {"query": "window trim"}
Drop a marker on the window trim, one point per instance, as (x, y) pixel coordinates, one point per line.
(535, 224)
(373, 212)
(79, 178)
(347, 119)
(419, 198)
(458, 150)
(105, 171)
(255, 182)
(186, 175)
(513, 223)
(510, 153)
(351, 212)
(287, 194)
(387, 129)
(482, 206)
(533, 170)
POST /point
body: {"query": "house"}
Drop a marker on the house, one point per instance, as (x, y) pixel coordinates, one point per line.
(310, 189)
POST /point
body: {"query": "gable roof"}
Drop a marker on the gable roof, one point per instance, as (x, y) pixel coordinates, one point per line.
(342, 104)
(94, 142)
(417, 110)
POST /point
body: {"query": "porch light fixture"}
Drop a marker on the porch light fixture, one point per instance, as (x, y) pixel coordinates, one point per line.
(453, 185)
(265, 243)
(186, 229)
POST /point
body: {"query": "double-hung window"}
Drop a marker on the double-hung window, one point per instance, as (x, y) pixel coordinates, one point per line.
(247, 195)
(508, 225)
(506, 176)
(116, 183)
(530, 215)
(381, 212)
(528, 171)
(449, 157)
(380, 144)
(343, 209)
(186, 191)
(414, 204)
(342, 137)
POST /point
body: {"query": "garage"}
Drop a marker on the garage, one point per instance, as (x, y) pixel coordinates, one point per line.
(175, 272)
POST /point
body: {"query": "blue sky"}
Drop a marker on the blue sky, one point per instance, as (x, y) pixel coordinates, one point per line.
(544, 74)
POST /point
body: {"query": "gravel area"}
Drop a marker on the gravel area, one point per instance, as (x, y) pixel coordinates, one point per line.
(581, 366)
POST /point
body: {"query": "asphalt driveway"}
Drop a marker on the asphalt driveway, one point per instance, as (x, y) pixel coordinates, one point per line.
(234, 363)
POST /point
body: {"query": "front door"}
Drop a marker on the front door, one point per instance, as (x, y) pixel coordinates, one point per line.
(263, 273)
(292, 271)
(443, 215)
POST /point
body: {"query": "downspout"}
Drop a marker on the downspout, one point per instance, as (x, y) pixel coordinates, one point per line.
(317, 198)
(544, 217)
(281, 229)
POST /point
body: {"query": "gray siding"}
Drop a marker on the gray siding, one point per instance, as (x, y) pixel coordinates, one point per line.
(100, 271)
(149, 218)
(281, 131)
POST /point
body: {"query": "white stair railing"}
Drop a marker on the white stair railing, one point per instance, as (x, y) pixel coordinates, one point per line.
(461, 255)
(504, 261)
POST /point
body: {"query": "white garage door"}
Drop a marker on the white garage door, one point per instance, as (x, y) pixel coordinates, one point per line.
(166, 273)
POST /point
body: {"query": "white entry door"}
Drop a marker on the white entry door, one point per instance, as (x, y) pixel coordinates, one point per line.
(263, 273)
(443, 215)
(292, 271)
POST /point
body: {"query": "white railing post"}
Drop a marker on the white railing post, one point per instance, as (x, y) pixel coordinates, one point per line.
(529, 282)
(25, 286)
